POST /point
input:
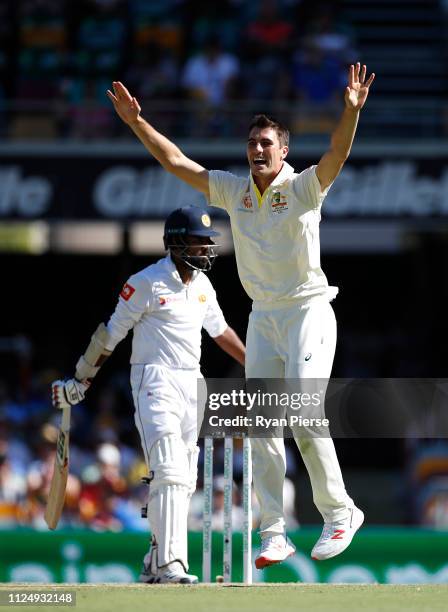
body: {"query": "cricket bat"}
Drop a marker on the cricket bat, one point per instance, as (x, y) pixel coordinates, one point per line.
(56, 497)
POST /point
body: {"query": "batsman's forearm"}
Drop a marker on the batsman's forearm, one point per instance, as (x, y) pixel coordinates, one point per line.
(342, 137)
(230, 342)
(95, 355)
(165, 151)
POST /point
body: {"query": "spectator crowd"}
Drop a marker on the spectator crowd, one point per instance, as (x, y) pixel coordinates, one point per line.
(190, 62)
(104, 489)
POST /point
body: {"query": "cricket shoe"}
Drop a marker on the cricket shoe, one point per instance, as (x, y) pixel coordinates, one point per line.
(336, 537)
(148, 572)
(274, 549)
(174, 573)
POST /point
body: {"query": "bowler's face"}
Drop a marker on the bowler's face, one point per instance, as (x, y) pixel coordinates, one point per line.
(264, 153)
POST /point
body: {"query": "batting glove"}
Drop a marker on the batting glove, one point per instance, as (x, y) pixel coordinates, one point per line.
(69, 392)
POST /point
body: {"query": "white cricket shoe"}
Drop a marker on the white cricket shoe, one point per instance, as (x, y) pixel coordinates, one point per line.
(336, 537)
(274, 549)
(173, 573)
(146, 575)
(148, 572)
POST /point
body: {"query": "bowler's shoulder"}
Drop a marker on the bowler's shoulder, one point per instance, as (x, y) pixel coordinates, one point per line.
(306, 180)
(228, 179)
(306, 174)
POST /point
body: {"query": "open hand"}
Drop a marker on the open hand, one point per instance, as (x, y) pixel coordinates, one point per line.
(127, 107)
(358, 88)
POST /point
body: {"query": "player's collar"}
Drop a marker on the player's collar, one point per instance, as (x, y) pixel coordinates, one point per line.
(285, 173)
(172, 270)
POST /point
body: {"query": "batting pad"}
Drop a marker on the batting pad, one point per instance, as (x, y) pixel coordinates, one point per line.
(193, 456)
(168, 521)
(168, 460)
(169, 497)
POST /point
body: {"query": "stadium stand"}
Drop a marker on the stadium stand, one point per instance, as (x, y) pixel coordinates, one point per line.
(57, 59)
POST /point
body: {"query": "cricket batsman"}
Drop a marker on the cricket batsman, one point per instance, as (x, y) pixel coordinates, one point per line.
(275, 215)
(166, 305)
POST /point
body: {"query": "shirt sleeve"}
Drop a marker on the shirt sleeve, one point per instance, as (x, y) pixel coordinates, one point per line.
(214, 321)
(307, 189)
(223, 187)
(136, 299)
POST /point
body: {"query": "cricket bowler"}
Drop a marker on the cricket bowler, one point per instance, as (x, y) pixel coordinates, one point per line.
(275, 215)
(166, 305)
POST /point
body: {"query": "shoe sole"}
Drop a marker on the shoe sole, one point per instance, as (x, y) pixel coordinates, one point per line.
(262, 562)
(330, 556)
(181, 581)
(157, 580)
(152, 580)
(145, 579)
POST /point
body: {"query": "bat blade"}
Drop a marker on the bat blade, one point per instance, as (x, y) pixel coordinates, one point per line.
(56, 496)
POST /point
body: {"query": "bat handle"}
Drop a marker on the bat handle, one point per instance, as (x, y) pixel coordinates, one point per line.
(65, 422)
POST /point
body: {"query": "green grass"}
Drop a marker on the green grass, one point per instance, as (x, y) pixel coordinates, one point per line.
(259, 598)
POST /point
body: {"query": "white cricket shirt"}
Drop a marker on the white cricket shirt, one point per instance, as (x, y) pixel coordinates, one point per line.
(276, 237)
(166, 316)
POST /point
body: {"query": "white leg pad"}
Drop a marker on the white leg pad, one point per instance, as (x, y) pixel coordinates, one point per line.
(169, 498)
(168, 520)
(192, 456)
(168, 460)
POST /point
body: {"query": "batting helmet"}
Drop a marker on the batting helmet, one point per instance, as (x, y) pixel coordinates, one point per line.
(190, 221)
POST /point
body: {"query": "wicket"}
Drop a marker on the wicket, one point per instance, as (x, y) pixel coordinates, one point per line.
(228, 504)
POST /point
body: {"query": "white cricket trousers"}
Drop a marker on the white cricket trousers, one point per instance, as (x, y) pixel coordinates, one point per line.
(166, 415)
(165, 402)
(294, 341)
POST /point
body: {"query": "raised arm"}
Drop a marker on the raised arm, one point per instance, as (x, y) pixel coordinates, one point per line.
(165, 151)
(230, 342)
(341, 141)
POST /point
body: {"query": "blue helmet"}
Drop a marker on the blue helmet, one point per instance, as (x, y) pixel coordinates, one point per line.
(190, 221)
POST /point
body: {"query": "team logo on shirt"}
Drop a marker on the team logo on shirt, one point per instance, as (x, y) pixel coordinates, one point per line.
(127, 291)
(202, 298)
(247, 201)
(279, 203)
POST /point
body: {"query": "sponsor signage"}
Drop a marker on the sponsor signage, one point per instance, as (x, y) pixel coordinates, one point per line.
(58, 187)
(377, 555)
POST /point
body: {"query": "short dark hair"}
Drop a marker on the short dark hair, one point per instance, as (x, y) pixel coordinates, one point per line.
(263, 121)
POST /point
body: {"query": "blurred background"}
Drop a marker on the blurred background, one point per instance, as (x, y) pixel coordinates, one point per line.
(82, 207)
